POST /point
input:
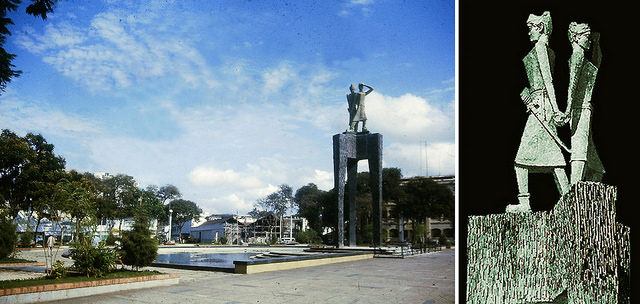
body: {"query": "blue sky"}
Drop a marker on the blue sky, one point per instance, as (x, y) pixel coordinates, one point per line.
(229, 99)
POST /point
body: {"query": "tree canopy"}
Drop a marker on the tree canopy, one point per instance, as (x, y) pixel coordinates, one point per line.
(277, 202)
(183, 211)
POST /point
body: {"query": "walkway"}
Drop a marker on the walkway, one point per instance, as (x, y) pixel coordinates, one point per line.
(426, 279)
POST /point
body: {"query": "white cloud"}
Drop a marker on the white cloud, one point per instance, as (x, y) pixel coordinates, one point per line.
(274, 79)
(413, 158)
(33, 117)
(322, 179)
(347, 7)
(210, 176)
(408, 118)
(118, 50)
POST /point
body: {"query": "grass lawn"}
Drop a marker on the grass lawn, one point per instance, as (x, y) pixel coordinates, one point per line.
(70, 278)
(14, 260)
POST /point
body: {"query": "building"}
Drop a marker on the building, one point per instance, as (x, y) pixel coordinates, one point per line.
(65, 229)
(398, 229)
(243, 229)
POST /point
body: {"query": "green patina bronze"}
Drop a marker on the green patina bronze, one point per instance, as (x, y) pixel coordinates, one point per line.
(576, 253)
(356, 107)
(540, 150)
(585, 163)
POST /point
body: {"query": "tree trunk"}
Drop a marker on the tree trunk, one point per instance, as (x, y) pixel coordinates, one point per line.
(35, 234)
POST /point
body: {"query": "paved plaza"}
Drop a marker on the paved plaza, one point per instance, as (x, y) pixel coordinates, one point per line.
(427, 279)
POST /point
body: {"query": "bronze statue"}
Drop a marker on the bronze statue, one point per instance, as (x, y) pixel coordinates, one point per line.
(356, 107)
(585, 163)
(540, 148)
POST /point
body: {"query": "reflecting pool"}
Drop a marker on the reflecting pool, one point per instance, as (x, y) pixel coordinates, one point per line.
(223, 260)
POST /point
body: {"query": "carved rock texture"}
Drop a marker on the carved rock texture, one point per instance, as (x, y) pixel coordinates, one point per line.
(533, 257)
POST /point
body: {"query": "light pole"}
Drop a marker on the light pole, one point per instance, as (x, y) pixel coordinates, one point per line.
(170, 216)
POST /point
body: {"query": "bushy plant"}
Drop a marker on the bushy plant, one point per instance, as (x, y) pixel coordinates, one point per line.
(308, 236)
(8, 238)
(223, 240)
(92, 261)
(444, 241)
(138, 248)
(25, 239)
(111, 239)
(58, 270)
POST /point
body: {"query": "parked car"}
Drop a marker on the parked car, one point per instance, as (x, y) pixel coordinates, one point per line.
(288, 241)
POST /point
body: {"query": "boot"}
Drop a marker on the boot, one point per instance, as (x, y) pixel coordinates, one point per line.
(522, 206)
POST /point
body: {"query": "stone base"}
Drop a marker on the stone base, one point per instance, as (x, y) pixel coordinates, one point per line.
(534, 257)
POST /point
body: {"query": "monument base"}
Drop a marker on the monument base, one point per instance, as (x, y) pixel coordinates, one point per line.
(576, 252)
(348, 149)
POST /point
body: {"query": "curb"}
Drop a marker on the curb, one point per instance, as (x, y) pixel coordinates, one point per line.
(22, 264)
(51, 292)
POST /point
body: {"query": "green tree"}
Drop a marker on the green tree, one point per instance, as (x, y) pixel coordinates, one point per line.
(329, 215)
(277, 202)
(183, 212)
(426, 198)
(138, 248)
(150, 206)
(307, 199)
(8, 237)
(163, 194)
(122, 195)
(15, 158)
(78, 199)
(29, 171)
(37, 8)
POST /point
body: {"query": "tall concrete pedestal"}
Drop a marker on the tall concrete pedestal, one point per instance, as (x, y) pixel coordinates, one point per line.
(348, 149)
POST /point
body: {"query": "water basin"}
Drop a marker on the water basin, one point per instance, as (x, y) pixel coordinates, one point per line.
(219, 260)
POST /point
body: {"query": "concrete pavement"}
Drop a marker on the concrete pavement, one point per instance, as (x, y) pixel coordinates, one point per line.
(427, 279)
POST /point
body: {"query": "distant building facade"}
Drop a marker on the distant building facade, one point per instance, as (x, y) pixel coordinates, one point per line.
(399, 229)
(244, 229)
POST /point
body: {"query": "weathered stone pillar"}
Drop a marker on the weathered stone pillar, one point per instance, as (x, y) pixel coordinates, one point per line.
(348, 149)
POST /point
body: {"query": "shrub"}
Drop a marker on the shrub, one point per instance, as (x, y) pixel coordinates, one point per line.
(92, 261)
(111, 239)
(223, 240)
(58, 271)
(8, 238)
(444, 241)
(308, 236)
(25, 239)
(138, 248)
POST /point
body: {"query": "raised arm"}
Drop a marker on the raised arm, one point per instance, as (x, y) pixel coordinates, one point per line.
(370, 89)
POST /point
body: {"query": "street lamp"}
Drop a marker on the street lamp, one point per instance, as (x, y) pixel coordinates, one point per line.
(170, 216)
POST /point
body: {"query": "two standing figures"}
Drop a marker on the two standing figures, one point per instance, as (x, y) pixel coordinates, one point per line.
(356, 107)
(540, 149)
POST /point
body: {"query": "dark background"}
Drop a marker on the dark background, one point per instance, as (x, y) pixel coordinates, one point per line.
(493, 39)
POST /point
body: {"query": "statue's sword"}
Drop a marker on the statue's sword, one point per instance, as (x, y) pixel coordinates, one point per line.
(526, 98)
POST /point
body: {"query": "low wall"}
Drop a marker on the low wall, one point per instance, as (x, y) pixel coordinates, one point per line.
(533, 257)
(259, 265)
(51, 292)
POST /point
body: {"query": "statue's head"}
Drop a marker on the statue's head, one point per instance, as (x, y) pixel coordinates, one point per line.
(580, 33)
(539, 26)
(352, 88)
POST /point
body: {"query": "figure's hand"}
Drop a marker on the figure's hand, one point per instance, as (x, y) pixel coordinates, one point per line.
(560, 119)
(526, 98)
